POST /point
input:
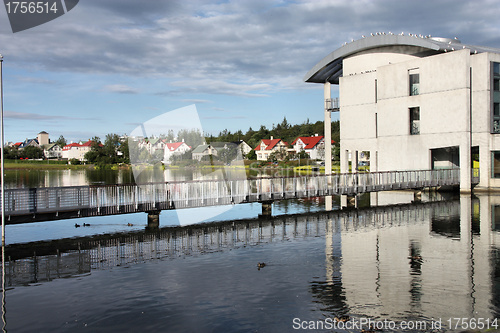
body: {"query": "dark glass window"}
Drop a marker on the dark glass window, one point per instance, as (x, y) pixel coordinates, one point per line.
(414, 121)
(414, 84)
(495, 164)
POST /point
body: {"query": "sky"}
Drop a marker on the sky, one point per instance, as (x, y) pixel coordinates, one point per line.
(109, 66)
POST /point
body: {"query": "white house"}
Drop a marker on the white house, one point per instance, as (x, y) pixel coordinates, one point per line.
(314, 146)
(52, 150)
(76, 150)
(417, 103)
(203, 150)
(174, 148)
(267, 146)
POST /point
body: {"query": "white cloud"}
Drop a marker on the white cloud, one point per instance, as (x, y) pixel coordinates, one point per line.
(120, 89)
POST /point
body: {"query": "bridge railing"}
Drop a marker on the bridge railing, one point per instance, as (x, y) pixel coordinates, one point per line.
(128, 198)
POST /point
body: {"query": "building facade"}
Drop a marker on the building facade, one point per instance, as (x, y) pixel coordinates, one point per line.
(267, 146)
(418, 103)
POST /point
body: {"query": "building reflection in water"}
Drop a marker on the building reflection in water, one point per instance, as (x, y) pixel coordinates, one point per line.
(445, 263)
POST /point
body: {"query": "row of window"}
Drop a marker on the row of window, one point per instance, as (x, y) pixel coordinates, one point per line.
(495, 96)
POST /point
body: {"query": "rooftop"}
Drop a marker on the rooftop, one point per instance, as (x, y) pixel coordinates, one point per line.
(329, 69)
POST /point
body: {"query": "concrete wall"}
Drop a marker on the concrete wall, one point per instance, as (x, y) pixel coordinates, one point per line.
(375, 106)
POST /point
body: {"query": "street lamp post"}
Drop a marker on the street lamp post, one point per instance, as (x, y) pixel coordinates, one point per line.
(2, 152)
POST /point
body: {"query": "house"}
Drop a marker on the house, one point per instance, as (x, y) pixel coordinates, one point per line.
(417, 103)
(314, 146)
(174, 148)
(267, 146)
(52, 150)
(28, 143)
(243, 146)
(77, 150)
(203, 150)
(72, 151)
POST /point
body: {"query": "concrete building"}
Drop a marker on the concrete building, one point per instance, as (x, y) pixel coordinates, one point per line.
(417, 103)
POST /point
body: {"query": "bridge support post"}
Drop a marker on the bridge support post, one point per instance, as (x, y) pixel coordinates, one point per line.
(373, 199)
(154, 219)
(343, 201)
(348, 201)
(267, 209)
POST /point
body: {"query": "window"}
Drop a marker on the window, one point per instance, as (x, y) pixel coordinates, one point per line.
(415, 121)
(495, 98)
(414, 82)
(495, 164)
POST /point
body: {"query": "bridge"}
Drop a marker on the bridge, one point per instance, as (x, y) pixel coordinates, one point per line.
(53, 203)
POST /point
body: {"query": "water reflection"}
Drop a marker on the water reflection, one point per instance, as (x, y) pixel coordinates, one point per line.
(412, 261)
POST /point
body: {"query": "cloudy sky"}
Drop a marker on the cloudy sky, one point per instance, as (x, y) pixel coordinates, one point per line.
(107, 66)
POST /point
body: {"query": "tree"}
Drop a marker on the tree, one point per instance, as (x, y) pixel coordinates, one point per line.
(252, 155)
(61, 142)
(11, 152)
(96, 152)
(32, 152)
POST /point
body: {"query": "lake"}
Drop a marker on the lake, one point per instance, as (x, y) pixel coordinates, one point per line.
(415, 265)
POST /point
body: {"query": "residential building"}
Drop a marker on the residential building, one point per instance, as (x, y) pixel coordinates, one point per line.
(267, 146)
(174, 148)
(52, 150)
(28, 143)
(77, 150)
(203, 150)
(72, 151)
(43, 138)
(314, 146)
(417, 103)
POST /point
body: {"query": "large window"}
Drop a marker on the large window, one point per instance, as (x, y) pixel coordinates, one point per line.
(495, 164)
(495, 98)
(415, 121)
(414, 82)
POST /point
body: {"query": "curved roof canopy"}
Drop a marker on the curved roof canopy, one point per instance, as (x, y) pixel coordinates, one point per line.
(329, 69)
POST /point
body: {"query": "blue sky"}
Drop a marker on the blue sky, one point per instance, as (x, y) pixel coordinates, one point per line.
(108, 66)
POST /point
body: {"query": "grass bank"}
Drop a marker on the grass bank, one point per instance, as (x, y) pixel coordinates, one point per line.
(43, 165)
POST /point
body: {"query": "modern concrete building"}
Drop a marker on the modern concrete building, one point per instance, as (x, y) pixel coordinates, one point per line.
(417, 103)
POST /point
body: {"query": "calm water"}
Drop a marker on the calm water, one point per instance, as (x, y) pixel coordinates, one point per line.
(423, 263)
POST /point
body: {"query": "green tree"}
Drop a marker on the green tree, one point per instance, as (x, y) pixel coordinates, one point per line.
(11, 153)
(61, 142)
(252, 155)
(32, 152)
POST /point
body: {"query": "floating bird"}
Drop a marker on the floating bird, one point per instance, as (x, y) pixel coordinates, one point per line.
(261, 265)
(86, 225)
(130, 224)
(77, 225)
(342, 318)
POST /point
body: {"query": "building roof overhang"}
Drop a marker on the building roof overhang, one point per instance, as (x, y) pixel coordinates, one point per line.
(329, 69)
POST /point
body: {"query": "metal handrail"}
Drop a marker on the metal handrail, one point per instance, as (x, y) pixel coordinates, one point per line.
(179, 194)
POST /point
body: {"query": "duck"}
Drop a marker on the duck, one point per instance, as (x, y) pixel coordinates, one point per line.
(130, 224)
(261, 265)
(342, 318)
(77, 225)
(86, 225)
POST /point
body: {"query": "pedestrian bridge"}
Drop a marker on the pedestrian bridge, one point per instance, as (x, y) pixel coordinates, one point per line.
(53, 203)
